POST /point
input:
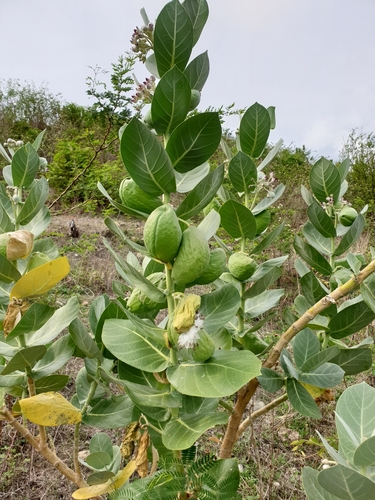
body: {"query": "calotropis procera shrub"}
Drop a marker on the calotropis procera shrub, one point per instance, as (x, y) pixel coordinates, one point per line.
(162, 361)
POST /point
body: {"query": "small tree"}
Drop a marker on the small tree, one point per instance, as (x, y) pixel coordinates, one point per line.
(360, 149)
(163, 361)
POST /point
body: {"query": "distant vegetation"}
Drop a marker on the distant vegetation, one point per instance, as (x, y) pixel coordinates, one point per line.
(81, 143)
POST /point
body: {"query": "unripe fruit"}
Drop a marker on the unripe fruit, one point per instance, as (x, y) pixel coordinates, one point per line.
(195, 99)
(134, 197)
(192, 258)
(216, 267)
(347, 216)
(139, 302)
(263, 220)
(162, 234)
(241, 266)
(204, 349)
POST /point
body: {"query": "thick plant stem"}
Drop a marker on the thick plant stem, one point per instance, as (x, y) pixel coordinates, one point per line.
(246, 393)
(77, 466)
(32, 392)
(45, 451)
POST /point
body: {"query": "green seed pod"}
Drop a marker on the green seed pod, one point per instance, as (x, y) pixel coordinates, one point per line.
(195, 99)
(162, 234)
(204, 349)
(139, 302)
(134, 197)
(216, 267)
(192, 258)
(263, 220)
(347, 216)
(241, 266)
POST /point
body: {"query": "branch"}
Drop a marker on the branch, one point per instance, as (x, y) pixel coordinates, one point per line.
(47, 453)
(247, 392)
(101, 148)
(262, 411)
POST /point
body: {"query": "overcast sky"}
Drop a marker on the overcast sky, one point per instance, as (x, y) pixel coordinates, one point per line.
(312, 59)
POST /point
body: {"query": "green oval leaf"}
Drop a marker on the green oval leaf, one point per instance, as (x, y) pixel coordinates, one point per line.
(316, 240)
(354, 361)
(57, 355)
(25, 165)
(197, 71)
(201, 195)
(98, 459)
(305, 345)
(350, 320)
(182, 432)
(237, 220)
(351, 236)
(242, 173)
(60, 320)
(312, 257)
(321, 220)
(173, 37)
(51, 383)
(198, 13)
(8, 272)
(34, 202)
(114, 413)
(148, 396)
(312, 487)
(219, 307)
(25, 358)
(364, 455)
(194, 141)
(325, 180)
(301, 400)
(129, 344)
(346, 483)
(270, 380)
(84, 341)
(255, 128)
(145, 159)
(101, 442)
(171, 101)
(187, 181)
(325, 376)
(223, 374)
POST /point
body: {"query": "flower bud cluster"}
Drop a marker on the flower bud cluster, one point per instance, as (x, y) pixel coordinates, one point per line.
(267, 182)
(142, 41)
(11, 143)
(144, 91)
(336, 205)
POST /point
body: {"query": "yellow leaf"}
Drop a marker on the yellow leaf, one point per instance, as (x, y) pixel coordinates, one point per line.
(93, 491)
(121, 477)
(50, 409)
(41, 279)
(107, 487)
(314, 391)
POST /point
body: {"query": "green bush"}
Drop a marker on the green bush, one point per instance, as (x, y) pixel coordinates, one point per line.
(72, 157)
